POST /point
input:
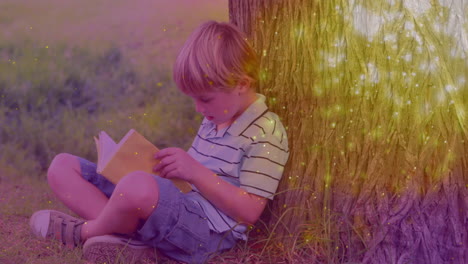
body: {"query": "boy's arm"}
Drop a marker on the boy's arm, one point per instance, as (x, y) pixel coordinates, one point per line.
(232, 200)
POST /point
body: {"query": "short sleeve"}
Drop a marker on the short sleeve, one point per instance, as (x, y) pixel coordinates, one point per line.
(263, 165)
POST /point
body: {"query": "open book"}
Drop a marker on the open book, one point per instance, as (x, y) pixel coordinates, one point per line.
(132, 153)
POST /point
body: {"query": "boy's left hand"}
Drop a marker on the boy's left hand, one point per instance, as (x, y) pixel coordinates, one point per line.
(176, 163)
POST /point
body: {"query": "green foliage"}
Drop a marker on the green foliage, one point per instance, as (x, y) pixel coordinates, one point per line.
(55, 100)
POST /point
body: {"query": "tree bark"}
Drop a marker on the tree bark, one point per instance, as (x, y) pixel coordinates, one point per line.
(378, 164)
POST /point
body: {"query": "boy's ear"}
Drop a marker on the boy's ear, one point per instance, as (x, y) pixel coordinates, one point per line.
(244, 84)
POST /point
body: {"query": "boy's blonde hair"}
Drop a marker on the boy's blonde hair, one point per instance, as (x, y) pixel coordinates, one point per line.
(215, 57)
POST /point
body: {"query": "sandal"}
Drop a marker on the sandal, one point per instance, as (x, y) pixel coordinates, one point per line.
(59, 226)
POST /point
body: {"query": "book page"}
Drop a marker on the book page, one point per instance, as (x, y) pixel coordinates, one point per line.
(106, 150)
(132, 153)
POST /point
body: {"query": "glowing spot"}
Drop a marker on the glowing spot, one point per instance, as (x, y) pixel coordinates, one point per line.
(450, 88)
(225, 111)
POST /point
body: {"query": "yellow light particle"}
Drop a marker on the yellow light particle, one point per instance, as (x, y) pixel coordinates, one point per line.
(159, 84)
(225, 111)
(121, 194)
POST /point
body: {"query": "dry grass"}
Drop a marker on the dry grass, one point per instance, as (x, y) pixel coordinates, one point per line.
(20, 197)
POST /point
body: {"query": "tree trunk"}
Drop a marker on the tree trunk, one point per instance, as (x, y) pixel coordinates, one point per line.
(374, 98)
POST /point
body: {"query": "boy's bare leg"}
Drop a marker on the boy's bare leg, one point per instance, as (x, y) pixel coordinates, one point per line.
(134, 199)
(82, 197)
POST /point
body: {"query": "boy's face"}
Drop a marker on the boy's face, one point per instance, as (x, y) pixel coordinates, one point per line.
(220, 107)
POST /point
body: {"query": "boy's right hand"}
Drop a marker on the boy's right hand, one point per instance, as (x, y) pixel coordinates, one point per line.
(177, 163)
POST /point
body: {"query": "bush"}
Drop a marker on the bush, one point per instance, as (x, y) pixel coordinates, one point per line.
(56, 100)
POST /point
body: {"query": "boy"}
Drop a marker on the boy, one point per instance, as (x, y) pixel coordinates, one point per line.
(234, 166)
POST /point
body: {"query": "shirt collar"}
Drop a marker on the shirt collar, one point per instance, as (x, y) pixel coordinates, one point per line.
(252, 113)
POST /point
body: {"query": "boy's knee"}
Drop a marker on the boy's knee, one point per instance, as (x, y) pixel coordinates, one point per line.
(140, 189)
(60, 164)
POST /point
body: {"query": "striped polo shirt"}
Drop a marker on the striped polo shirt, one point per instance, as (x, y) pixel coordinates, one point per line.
(250, 154)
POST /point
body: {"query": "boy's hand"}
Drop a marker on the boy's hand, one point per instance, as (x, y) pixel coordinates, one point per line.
(176, 163)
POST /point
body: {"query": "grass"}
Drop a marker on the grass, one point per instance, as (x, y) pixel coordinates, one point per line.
(20, 197)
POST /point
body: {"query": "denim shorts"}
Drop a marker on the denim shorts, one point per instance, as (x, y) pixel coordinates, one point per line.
(177, 227)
